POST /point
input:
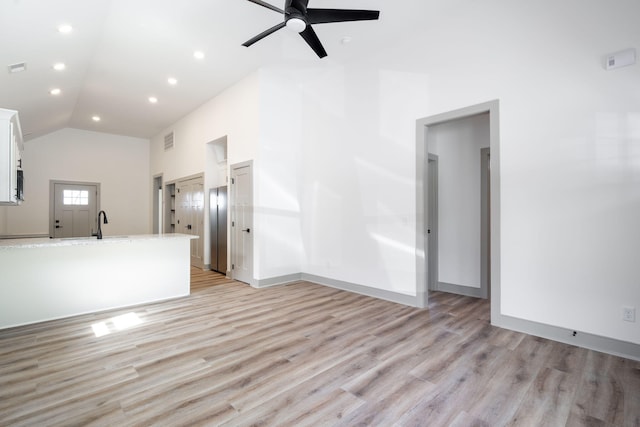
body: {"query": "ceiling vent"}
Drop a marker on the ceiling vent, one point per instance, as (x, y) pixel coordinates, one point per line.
(17, 68)
(168, 141)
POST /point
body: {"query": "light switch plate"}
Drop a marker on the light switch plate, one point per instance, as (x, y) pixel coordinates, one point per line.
(621, 59)
(629, 314)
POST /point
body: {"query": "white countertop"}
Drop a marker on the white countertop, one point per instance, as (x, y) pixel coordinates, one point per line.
(76, 241)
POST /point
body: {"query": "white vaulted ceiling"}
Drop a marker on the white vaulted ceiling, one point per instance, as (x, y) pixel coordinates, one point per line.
(121, 52)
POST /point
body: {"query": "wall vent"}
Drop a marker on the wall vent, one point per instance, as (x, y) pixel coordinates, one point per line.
(17, 68)
(168, 141)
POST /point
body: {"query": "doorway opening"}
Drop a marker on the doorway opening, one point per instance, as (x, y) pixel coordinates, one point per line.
(73, 209)
(442, 197)
(157, 204)
(216, 240)
(457, 237)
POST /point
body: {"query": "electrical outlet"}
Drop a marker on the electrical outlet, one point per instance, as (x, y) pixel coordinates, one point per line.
(629, 314)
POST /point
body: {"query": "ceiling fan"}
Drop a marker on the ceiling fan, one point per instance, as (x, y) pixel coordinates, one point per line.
(298, 18)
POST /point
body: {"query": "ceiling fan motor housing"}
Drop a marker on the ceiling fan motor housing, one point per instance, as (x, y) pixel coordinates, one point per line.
(299, 5)
(296, 9)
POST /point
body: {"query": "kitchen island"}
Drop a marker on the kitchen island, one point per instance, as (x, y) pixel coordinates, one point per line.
(45, 279)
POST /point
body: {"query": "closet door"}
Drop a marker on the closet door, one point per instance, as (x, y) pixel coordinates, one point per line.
(196, 198)
(190, 215)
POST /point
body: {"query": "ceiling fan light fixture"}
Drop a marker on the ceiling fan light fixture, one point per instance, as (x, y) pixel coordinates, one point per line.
(296, 24)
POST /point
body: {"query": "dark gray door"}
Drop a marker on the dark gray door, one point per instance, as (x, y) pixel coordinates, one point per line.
(218, 228)
(74, 210)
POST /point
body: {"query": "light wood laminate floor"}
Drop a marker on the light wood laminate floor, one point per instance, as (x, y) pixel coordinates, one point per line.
(305, 355)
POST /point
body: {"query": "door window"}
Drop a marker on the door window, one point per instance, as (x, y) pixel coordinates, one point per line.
(75, 197)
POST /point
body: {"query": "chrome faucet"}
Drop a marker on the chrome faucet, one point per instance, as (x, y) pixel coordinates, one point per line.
(99, 234)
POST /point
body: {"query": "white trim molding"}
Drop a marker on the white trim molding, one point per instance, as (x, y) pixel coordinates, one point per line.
(554, 333)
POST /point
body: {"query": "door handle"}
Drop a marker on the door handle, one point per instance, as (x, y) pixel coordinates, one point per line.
(248, 230)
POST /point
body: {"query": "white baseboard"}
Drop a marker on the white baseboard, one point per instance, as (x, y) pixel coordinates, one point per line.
(276, 281)
(580, 339)
(410, 300)
(460, 290)
(396, 297)
(24, 236)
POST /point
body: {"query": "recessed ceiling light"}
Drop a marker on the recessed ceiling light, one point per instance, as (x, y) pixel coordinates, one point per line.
(172, 81)
(55, 91)
(59, 66)
(198, 54)
(96, 118)
(65, 28)
(153, 99)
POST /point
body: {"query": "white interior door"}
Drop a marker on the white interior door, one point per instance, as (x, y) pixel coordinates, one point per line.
(75, 210)
(183, 213)
(242, 222)
(190, 215)
(197, 222)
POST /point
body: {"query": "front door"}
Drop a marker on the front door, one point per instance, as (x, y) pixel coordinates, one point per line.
(242, 222)
(75, 210)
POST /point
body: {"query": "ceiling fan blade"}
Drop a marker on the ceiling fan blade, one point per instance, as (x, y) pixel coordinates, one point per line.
(312, 40)
(267, 5)
(263, 34)
(324, 16)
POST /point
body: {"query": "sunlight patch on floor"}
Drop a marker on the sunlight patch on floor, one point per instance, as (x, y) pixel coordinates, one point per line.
(118, 323)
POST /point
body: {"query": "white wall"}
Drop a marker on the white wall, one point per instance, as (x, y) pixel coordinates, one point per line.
(233, 114)
(570, 154)
(457, 145)
(570, 150)
(358, 180)
(119, 163)
(279, 249)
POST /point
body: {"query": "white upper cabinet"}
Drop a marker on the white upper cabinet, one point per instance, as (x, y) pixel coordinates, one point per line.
(11, 174)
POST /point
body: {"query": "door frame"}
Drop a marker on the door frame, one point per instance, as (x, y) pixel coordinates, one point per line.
(157, 193)
(422, 128)
(52, 207)
(485, 222)
(432, 232)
